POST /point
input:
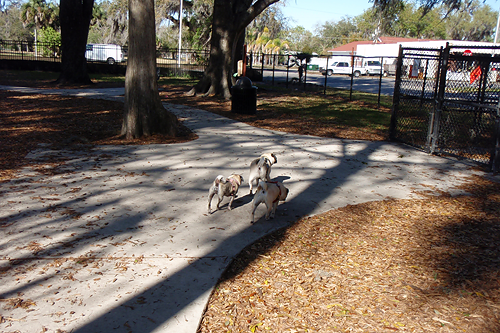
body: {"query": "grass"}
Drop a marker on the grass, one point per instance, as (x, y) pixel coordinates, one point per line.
(334, 109)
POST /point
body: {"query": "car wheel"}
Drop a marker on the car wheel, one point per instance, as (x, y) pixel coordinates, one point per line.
(357, 73)
(110, 61)
(329, 72)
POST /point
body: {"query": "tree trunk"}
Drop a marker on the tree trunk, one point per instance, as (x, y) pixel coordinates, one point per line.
(144, 114)
(230, 18)
(75, 16)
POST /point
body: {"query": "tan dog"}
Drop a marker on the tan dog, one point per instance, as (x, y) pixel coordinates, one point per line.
(269, 193)
(224, 187)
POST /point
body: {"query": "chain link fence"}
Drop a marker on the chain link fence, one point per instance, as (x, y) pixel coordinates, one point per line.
(446, 101)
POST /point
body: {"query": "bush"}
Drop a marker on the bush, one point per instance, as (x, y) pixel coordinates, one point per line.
(51, 40)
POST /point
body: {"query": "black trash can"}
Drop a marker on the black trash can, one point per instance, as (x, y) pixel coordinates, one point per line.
(244, 97)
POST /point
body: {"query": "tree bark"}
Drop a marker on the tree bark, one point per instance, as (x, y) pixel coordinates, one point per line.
(144, 114)
(75, 16)
(230, 18)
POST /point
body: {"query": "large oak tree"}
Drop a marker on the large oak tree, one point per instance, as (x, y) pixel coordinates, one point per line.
(144, 113)
(74, 17)
(230, 18)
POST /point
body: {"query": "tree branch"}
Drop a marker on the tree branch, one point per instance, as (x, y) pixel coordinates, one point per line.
(253, 11)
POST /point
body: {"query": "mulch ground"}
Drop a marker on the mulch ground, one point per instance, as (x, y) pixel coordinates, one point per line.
(430, 265)
(427, 265)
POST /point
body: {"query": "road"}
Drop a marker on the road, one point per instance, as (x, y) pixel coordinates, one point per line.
(364, 83)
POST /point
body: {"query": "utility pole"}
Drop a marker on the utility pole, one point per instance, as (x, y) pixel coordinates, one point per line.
(498, 24)
(180, 36)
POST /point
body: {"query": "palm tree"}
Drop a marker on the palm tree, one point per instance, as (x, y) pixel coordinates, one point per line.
(38, 14)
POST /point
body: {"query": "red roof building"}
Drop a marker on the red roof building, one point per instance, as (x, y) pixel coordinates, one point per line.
(353, 46)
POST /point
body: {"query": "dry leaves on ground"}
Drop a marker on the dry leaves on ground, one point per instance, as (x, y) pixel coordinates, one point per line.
(31, 120)
(429, 265)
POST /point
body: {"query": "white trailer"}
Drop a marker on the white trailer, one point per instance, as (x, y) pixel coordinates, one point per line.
(109, 53)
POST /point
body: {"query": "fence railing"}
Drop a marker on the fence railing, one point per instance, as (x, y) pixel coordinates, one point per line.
(168, 60)
(29, 50)
(290, 70)
(446, 101)
(301, 70)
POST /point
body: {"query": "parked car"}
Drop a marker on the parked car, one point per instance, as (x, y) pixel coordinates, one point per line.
(343, 67)
(109, 53)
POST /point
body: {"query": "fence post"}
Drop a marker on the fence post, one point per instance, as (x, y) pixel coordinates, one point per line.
(274, 66)
(326, 74)
(495, 155)
(380, 81)
(262, 68)
(352, 75)
(434, 124)
(287, 70)
(436, 89)
(395, 98)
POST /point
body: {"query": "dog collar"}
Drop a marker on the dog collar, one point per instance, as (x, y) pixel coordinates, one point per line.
(234, 183)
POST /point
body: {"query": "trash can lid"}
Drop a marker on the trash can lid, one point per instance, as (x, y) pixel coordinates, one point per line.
(243, 83)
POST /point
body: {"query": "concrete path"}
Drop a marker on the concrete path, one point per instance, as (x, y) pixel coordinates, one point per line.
(118, 239)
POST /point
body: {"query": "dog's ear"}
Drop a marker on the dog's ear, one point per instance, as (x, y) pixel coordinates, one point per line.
(275, 158)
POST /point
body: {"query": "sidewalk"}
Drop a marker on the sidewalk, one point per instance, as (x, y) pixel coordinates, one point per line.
(118, 239)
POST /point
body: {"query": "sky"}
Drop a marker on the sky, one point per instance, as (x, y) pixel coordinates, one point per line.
(310, 13)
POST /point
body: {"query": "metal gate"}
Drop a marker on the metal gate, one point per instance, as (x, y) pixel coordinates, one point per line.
(446, 101)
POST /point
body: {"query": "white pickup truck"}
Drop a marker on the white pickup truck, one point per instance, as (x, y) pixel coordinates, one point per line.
(342, 67)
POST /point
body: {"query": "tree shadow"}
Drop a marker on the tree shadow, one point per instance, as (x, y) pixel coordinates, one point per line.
(168, 300)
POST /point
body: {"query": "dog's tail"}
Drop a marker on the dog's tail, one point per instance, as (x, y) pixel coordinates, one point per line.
(262, 161)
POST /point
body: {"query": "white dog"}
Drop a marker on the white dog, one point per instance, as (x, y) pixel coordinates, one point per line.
(260, 169)
(270, 194)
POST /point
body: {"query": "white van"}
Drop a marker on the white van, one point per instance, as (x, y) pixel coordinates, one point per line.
(109, 53)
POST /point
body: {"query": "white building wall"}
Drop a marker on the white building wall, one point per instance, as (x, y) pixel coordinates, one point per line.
(391, 50)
